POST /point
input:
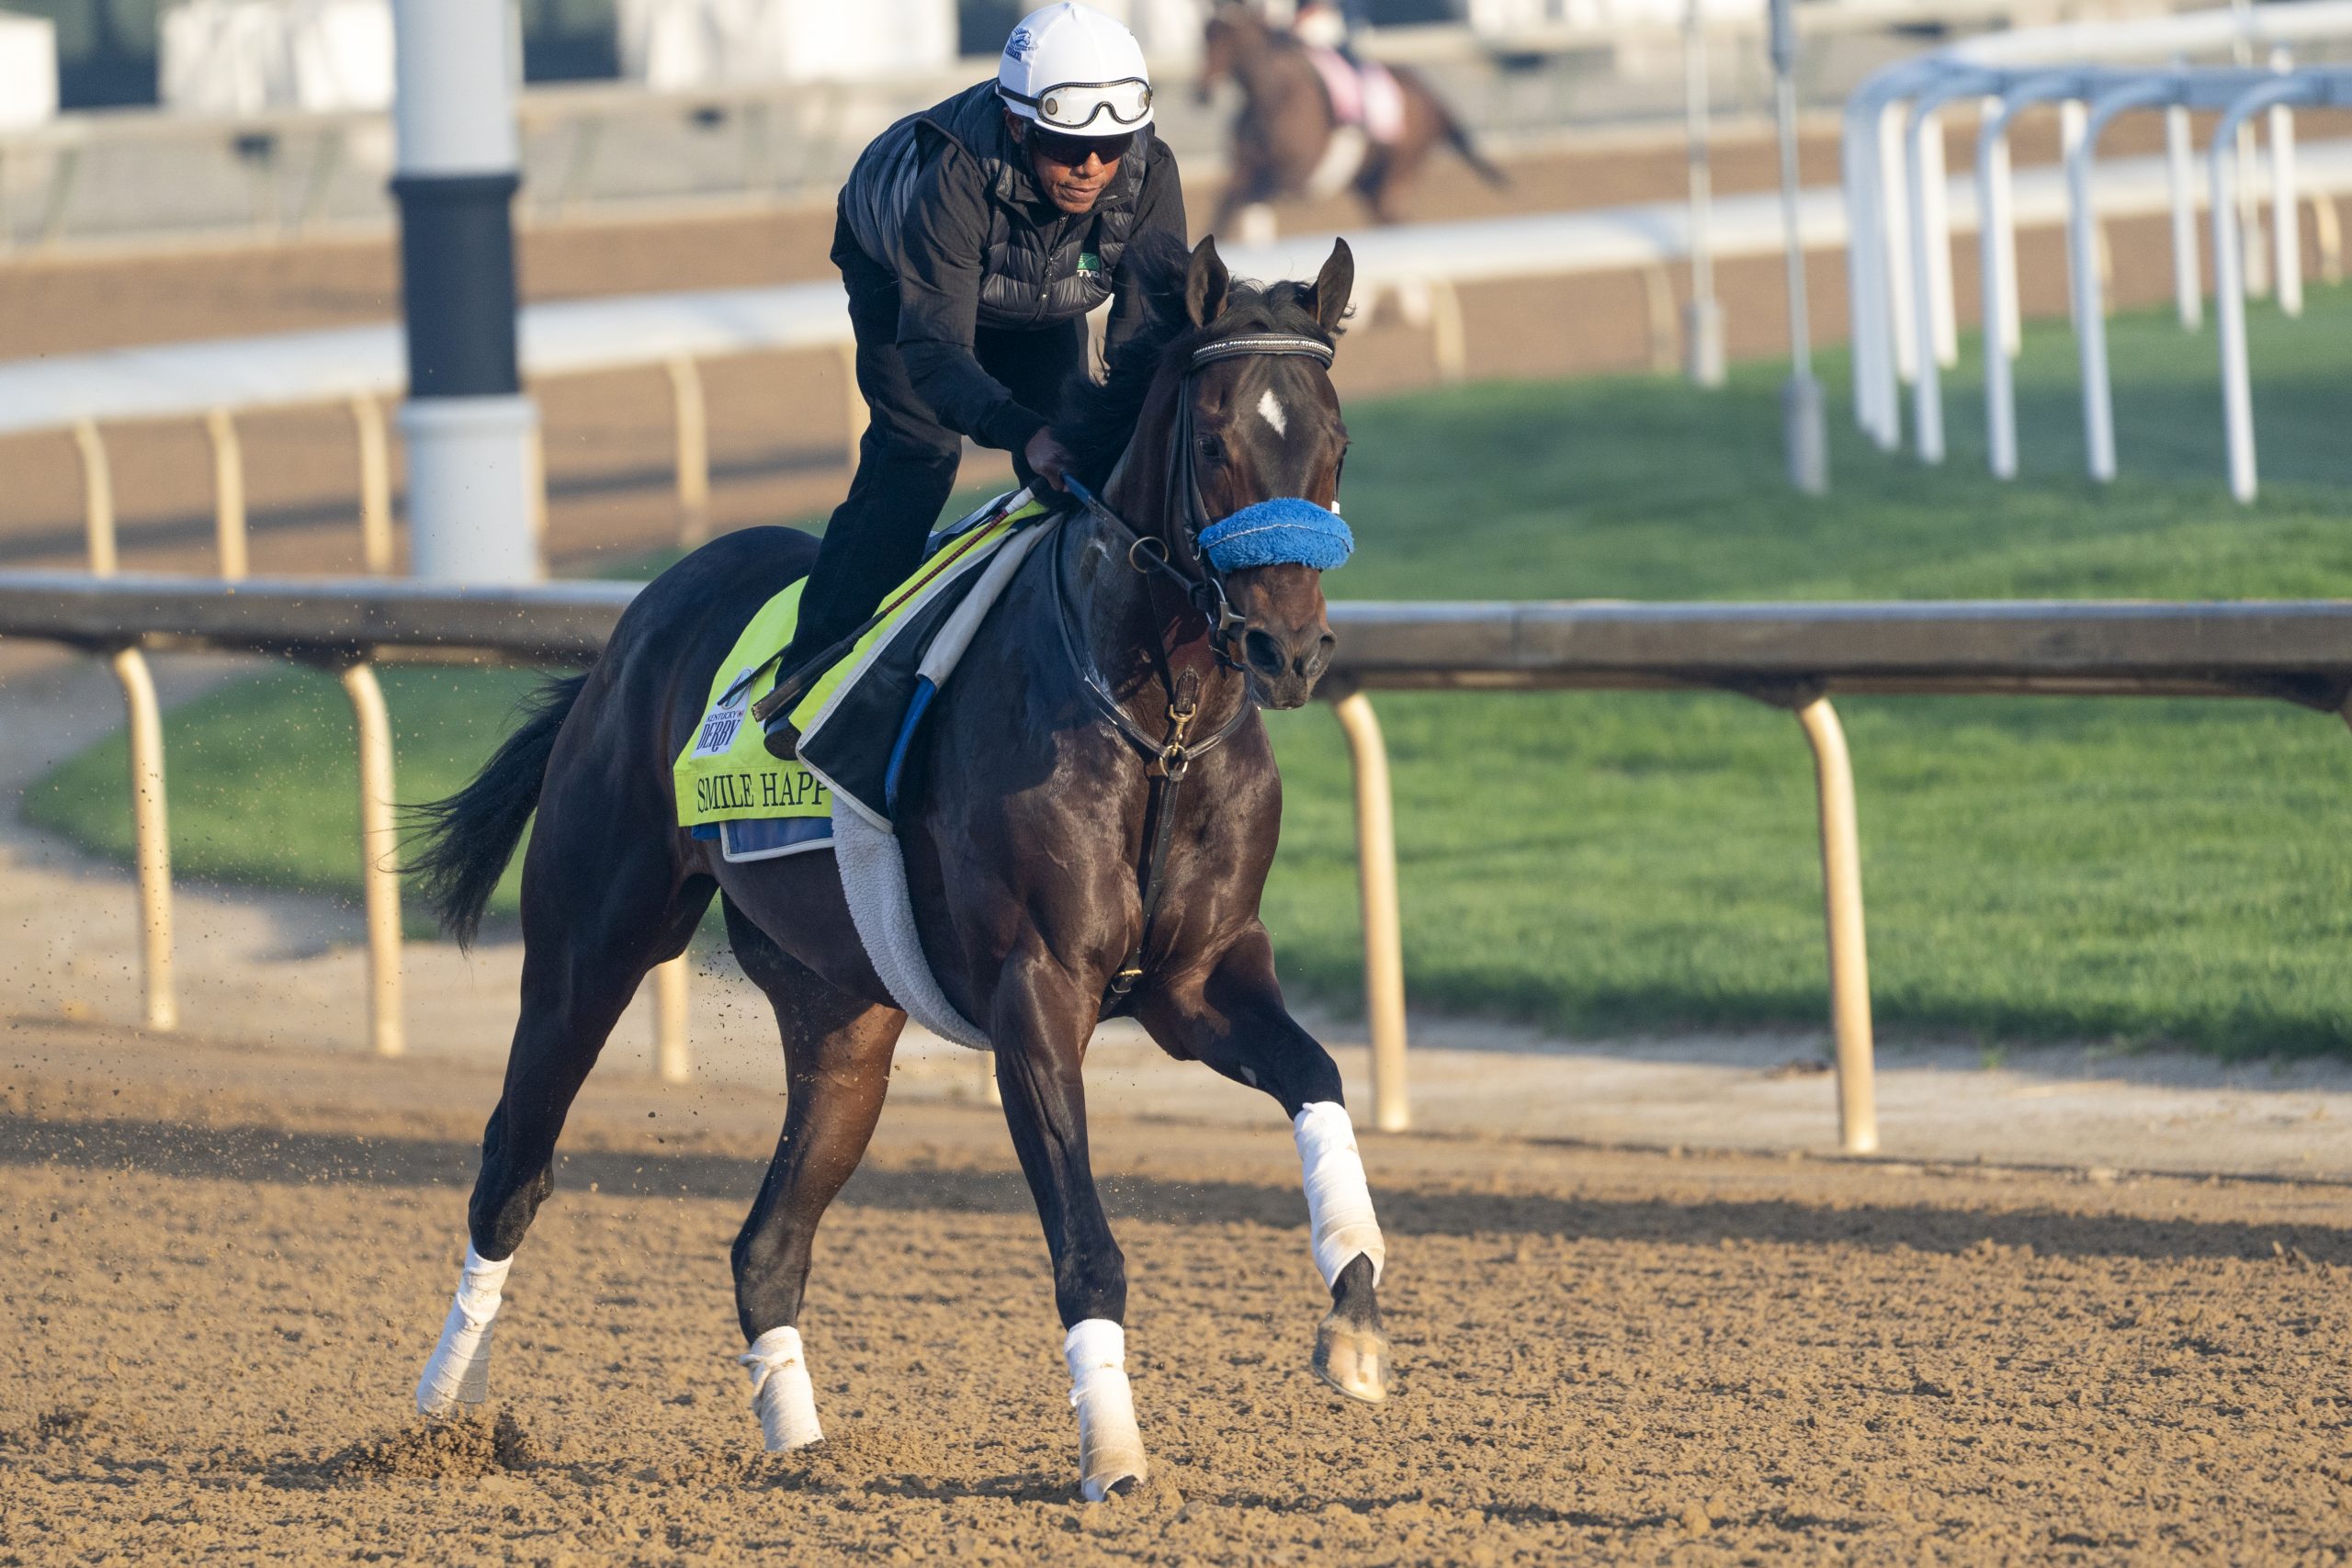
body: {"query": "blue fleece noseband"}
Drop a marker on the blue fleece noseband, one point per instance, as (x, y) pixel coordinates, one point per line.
(1286, 532)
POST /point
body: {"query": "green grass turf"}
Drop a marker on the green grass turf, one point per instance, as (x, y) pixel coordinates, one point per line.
(2035, 869)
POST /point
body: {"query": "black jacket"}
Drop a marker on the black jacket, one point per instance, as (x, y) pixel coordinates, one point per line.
(945, 204)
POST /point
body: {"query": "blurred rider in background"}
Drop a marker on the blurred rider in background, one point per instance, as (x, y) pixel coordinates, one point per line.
(973, 239)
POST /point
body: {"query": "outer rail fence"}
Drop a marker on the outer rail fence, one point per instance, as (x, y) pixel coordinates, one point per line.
(1791, 656)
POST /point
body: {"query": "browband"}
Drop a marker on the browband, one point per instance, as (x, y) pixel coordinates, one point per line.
(1281, 344)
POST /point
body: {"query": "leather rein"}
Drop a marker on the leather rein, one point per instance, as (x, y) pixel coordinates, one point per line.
(1168, 758)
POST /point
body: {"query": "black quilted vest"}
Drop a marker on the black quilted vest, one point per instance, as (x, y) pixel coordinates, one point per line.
(1040, 265)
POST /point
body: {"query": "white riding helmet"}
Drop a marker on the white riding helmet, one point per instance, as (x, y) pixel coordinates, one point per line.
(1074, 70)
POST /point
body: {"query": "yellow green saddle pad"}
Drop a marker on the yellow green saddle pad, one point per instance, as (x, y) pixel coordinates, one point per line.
(852, 717)
(756, 805)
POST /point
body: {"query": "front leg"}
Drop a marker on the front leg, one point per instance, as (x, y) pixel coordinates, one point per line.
(1039, 1023)
(1229, 1014)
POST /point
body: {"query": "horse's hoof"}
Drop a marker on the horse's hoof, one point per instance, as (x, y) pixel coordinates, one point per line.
(1353, 1361)
(1117, 1482)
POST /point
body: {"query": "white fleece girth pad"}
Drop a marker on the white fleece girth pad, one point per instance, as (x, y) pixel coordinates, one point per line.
(873, 880)
(1338, 1201)
(1110, 1448)
(458, 1373)
(781, 1391)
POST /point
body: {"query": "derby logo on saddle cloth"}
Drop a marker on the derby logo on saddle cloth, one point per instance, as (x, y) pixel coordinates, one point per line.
(729, 787)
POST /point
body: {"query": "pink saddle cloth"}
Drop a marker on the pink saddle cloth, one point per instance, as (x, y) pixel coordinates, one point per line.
(1364, 95)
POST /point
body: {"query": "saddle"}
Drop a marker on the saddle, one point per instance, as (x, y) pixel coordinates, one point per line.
(857, 717)
(1365, 94)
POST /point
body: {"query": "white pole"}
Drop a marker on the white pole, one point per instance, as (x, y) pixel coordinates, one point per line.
(2287, 266)
(1894, 215)
(2012, 322)
(2229, 284)
(1804, 426)
(1926, 387)
(1861, 284)
(1702, 326)
(1997, 262)
(2187, 290)
(471, 432)
(1937, 208)
(2071, 114)
(2082, 268)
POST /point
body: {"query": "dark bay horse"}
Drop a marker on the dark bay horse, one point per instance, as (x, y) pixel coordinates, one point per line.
(1023, 849)
(1288, 142)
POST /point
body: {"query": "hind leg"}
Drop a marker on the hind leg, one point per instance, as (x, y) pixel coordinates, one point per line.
(837, 1053)
(583, 957)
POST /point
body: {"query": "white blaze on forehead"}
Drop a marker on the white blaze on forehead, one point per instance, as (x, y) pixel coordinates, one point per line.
(1270, 409)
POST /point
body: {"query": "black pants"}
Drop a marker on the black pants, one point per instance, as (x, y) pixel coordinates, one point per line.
(907, 460)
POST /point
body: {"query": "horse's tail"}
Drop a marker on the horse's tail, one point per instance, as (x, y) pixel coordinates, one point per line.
(1457, 136)
(462, 844)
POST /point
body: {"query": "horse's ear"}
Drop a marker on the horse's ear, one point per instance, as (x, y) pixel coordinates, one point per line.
(1206, 282)
(1333, 285)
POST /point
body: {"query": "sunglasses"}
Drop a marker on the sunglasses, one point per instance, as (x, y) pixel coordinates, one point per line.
(1074, 151)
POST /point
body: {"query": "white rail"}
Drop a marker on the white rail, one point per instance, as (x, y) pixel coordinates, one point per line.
(1899, 242)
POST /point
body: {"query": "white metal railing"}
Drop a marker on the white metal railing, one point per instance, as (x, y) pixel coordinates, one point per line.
(1898, 243)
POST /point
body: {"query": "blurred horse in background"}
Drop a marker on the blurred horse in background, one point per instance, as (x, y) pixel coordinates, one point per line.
(1314, 122)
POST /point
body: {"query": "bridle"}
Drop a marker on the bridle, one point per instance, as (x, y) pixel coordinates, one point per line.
(1202, 584)
(1168, 760)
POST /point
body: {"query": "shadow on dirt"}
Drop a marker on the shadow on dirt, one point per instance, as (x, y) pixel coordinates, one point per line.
(292, 1159)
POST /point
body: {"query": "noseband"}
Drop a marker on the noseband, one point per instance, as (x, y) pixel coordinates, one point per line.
(1168, 761)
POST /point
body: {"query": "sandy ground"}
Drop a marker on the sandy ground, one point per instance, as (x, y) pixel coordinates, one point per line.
(225, 1268)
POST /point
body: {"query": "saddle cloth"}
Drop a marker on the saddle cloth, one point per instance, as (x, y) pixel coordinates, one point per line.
(858, 725)
(1364, 93)
(858, 718)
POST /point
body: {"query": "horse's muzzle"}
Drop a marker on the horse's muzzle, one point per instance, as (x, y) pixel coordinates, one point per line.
(1287, 665)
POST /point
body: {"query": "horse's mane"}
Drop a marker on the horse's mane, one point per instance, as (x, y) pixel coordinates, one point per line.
(1098, 419)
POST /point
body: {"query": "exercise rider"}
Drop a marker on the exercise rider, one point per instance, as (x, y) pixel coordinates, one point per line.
(974, 238)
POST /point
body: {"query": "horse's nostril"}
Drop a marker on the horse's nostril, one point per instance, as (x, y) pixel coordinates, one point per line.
(1265, 653)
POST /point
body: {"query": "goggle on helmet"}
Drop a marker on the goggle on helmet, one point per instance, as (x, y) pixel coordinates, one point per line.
(1079, 107)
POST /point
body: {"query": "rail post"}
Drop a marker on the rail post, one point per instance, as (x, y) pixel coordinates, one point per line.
(694, 450)
(2231, 256)
(2283, 216)
(98, 497)
(1384, 944)
(228, 493)
(670, 1059)
(2085, 282)
(375, 485)
(149, 833)
(2188, 295)
(379, 876)
(1841, 879)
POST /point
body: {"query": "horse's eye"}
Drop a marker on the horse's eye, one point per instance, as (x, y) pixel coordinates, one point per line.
(1211, 447)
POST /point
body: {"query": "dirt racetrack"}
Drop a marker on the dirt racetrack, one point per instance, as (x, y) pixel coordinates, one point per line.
(224, 1267)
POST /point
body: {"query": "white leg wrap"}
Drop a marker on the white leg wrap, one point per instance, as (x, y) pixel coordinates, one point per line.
(1338, 1202)
(781, 1390)
(459, 1372)
(1110, 1448)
